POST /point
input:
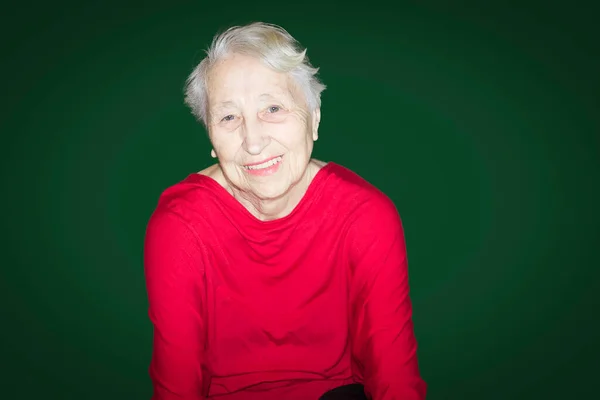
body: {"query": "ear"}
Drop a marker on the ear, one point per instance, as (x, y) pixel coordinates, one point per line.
(316, 119)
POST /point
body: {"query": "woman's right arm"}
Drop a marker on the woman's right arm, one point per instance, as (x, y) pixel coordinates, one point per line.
(175, 286)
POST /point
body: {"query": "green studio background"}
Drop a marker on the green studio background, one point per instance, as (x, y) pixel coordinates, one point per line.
(479, 121)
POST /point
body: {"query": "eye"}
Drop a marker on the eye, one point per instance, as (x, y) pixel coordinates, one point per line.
(227, 118)
(273, 109)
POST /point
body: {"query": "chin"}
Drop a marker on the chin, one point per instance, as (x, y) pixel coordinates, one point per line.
(271, 190)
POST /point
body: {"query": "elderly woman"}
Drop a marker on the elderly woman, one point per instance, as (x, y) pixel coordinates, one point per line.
(272, 275)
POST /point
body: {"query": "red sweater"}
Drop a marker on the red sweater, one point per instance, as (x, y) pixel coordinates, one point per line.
(246, 309)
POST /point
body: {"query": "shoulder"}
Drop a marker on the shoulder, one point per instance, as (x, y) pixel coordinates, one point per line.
(366, 201)
(184, 203)
(185, 195)
(374, 225)
(371, 217)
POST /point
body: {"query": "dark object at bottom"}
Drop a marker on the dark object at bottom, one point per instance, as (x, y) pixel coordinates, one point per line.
(354, 391)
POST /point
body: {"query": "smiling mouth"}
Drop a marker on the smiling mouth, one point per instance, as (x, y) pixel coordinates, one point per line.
(264, 165)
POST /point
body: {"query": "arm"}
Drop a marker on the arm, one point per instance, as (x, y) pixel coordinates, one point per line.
(384, 345)
(174, 282)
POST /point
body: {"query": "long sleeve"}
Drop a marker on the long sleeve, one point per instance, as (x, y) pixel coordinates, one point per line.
(384, 345)
(175, 286)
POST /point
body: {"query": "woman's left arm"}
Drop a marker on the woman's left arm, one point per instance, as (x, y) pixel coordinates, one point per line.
(384, 345)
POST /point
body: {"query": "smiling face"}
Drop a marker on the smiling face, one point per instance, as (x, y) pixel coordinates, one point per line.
(259, 126)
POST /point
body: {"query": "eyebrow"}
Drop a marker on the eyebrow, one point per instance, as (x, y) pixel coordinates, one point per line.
(269, 96)
(224, 104)
(279, 96)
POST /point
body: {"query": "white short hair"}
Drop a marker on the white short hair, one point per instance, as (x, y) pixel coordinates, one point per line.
(269, 43)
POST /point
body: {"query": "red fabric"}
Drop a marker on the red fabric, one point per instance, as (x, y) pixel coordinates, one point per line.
(283, 309)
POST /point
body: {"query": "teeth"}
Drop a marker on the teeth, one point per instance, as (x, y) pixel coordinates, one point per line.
(265, 164)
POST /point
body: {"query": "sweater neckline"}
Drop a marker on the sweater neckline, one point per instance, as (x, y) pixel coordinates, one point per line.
(232, 202)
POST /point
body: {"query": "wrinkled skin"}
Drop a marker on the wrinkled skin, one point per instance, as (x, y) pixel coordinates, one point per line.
(256, 113)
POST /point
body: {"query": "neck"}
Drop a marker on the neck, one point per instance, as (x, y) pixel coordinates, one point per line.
(270, 209)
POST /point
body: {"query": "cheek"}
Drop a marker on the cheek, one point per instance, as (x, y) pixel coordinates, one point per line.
(304, 119)
(295, 131)
(226, 147)
(302, 116)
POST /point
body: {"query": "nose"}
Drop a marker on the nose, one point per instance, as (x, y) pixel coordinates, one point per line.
(255, 137)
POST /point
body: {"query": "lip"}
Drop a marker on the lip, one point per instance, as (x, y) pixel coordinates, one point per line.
(264, 172)
(263, 161)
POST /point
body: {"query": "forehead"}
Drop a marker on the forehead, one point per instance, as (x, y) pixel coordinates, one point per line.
(240, 75)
